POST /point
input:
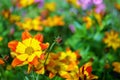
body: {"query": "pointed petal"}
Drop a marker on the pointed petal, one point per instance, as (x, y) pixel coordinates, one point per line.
(38, 53)
(16, 62)
(44, 46)
(20, 48)
(35, 61)
(35, 44)
(31, 57)
(25, 35)
(41, 71)
(51, 75)
(39, 37)
(22, 57)
(27, 42)
(12, 45)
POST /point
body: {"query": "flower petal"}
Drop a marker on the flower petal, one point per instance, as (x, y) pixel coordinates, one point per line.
(12, 45)
(44, 46)
(16, 62)
(35, 44)
(1, 61)
(38, 53)
(39, 37)
(35, 61)
(31, 57)
(22, 57)
(27, 42)
(20, 48)
(25, 35)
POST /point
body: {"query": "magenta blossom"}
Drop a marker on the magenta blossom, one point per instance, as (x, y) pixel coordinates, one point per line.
(40, 3)
(97, 2)
(100, 8)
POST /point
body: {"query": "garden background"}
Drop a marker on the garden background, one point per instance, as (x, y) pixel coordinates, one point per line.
(59, 39)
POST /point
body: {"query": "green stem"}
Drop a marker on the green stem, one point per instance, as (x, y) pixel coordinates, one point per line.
(49, 51)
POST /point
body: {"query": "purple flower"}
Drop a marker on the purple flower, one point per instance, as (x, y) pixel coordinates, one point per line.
(97, 2)
(72, 28)
(100, 8)
(40, 3)
(85, 4)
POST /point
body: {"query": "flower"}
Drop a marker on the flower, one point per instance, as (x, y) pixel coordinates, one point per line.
(27, 51)
(1, 38)
(97, 2)
(50, 6)
(1, 61)
(116, 66)
(100, 8)
(53, 21)
(72, 28)
(40, 3)
(85, 4)
(85, 72)
(88, 21)
(112, 39)
(31, 24)
(24, 3)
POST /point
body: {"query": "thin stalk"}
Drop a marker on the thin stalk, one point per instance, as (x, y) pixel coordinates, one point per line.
(49, 51)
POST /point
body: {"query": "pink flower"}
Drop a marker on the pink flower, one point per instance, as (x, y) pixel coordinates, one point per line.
(97, 2)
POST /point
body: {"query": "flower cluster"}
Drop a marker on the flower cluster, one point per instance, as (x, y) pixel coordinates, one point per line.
(38, 23)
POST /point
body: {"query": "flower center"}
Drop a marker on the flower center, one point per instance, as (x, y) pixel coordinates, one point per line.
(57, 67)
(29, 50)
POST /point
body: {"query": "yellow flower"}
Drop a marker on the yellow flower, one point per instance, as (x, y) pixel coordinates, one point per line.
(6, 13)
(88, 21)
(98, 18)
(50, 6)
(31, 24)
(53, 21)
(27, 51)
(68, 55)
(74, 2)
(14, 18)
(112, 39)
(117, 6)
(116, 66)
(1, 38)
(24, 3)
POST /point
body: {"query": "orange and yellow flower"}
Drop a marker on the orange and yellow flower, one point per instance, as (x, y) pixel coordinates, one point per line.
(27, 51)
(50, 6)
(112, 39)
(24, 3)
(116, 66)
(88, 22)
(53, 21)
(31, 24)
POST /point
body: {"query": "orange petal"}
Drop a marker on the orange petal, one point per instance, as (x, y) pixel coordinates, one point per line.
(44, 46)
(35, 61)
(16, 62)
(39, 37)
(12, 45)
(51, 75)
(1, 61)
(41, 71)
(25, 35)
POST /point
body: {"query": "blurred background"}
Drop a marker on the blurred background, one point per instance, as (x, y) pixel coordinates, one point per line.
(91, 27)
